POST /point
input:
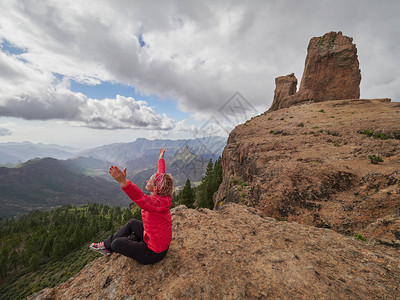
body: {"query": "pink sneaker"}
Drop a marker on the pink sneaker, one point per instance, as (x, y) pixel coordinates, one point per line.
(99, 248)
(98, 245)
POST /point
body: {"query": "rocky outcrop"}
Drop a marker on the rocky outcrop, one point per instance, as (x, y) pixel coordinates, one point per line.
(331, 72)
(238, 253)
(309, 164)
(284, 86)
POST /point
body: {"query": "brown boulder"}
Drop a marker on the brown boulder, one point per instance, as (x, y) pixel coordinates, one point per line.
(331, 72)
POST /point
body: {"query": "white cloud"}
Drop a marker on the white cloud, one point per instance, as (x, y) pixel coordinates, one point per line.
(119, 113)
(5, 131)
(198, 53)
(122, 112)
(32, 94)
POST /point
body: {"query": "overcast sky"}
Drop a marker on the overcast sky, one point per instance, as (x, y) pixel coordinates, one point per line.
(89, 73)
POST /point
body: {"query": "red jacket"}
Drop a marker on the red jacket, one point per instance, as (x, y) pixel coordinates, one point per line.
(156, 215)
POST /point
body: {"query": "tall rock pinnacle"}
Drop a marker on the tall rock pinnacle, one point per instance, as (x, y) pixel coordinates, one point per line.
(331, 72)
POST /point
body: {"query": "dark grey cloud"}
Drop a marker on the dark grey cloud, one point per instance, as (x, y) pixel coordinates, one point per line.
(198, 52)
(41, 107)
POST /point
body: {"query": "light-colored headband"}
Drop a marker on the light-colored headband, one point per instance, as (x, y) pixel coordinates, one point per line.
(159, 181)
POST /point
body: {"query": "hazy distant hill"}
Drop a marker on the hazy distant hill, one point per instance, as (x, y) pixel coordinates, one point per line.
(14, 153)
(127, 153)
(181, 165)
(88, 166)
(42, 183)
(138, 152)
(45, 183)
(8, 159)
(184, 158)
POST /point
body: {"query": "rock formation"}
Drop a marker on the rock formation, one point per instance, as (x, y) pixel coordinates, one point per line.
(331, 72)
(309, 164)
(284, 86)
(237, 253)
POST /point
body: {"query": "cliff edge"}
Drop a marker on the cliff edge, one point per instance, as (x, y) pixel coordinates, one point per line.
(313, 164)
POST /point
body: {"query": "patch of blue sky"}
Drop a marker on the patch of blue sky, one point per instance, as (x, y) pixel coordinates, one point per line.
(9, 48)
(141, 41)
(111, 90)
(58, 76)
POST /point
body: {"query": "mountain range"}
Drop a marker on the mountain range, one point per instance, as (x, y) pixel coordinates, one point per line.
(184, 158)
(127, 153)
(12, 154)
(46, 182)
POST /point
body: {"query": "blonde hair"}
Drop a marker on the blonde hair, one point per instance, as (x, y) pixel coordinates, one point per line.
(167, 187)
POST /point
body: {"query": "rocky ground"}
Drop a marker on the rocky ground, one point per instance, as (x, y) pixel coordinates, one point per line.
(238, 253)
(309, 164)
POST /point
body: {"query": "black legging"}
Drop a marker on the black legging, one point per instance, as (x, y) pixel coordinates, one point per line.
(128, 241)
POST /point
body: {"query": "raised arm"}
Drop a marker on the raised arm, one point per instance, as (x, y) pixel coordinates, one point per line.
(162, 151)
(161, 162)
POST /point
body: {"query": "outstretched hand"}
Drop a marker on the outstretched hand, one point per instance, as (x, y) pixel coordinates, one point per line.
(162, 151)
(118, 175)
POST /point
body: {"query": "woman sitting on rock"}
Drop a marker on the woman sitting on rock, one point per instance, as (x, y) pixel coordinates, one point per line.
(147, 241)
